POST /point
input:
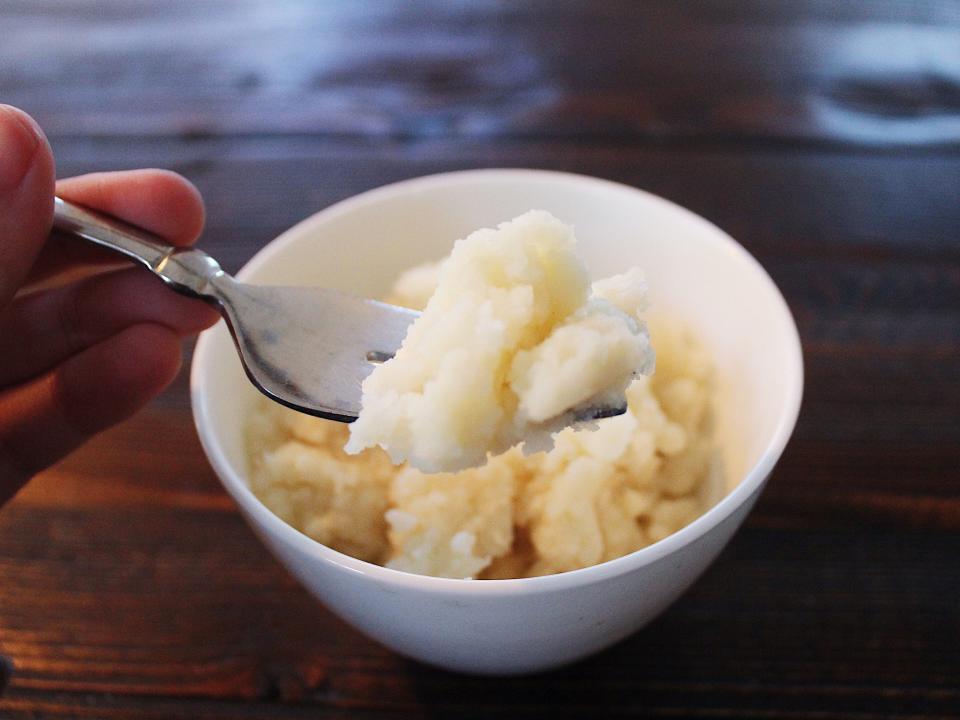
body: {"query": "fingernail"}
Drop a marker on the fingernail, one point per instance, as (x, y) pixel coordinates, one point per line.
(19, 138)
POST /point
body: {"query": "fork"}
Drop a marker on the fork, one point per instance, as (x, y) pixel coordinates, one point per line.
(306, 348)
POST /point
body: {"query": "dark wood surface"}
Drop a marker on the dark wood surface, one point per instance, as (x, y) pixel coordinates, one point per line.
(825, 136)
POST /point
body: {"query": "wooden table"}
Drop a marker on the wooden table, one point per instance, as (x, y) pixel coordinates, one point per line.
(825, 136)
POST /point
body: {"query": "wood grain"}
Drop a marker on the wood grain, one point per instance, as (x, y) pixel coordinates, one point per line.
(824, 136)
(883, 73)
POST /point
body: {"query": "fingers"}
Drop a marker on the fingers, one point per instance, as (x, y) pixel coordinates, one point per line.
(159, 201)
(94, 352)
(26, 197)
(45, 419)
(41, 330)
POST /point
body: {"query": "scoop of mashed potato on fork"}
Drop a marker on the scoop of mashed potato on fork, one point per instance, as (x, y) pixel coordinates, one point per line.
(511, 345)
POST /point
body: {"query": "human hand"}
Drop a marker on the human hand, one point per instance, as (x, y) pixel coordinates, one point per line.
(79, 356)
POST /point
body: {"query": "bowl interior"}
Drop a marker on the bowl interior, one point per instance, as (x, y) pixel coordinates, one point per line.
(695, 272)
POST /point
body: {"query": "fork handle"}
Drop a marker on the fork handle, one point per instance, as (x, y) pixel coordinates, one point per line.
(190, 272)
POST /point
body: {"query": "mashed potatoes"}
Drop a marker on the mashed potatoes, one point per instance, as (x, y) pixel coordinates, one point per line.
(596, 496)
(511, 344)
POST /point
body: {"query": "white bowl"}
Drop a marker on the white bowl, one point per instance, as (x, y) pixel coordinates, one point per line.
(696, 273)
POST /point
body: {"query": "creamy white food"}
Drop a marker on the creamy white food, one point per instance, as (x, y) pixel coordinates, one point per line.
(512, 343)
(597, 495)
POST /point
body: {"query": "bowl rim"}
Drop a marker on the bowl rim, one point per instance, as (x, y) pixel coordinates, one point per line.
(258, 514)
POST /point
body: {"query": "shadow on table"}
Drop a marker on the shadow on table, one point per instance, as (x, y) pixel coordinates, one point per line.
(621, 680)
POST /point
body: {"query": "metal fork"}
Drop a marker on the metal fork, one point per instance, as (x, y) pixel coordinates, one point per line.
(307, 348)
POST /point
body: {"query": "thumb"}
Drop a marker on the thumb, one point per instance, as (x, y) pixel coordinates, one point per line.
(26, 197)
